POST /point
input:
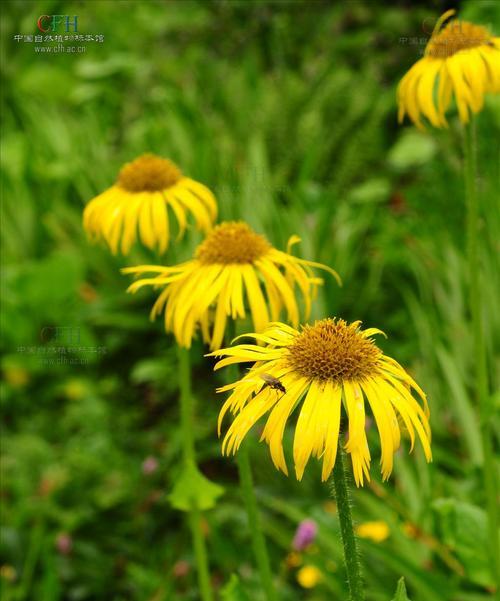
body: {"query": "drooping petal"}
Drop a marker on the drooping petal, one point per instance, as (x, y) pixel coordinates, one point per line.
(204, 194)
(357, 444)
(273, 274)
(160, 221)
(425, 92)
(250, 414)
(332, 394)
(258, 308)
(146, 227)
(195, 206)
(275, 425)
(306, 429)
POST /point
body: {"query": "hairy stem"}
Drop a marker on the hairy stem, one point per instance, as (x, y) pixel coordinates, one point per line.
(353, 568)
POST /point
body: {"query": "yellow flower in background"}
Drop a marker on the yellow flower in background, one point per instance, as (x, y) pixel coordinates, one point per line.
(148, 191)
(8, 572)
(377, 531)
(15, 375)
(75, 389)
(322, 368)
(233, 266)
(308, 576)
(461, 59)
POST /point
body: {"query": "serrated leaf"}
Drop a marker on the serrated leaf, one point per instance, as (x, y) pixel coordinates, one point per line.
(193, 490)
(401, 594)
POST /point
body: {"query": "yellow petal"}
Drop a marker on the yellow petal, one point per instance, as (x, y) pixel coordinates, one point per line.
(275, 426)
(306, 429)
(270, 272)
(425, 91)
(179, 212)
(332, 393)
(145, 221)
(258, 308)
(204, 194)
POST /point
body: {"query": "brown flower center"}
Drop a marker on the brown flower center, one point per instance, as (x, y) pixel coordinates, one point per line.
(456, 36)
(148, 173)
(333, 350)
(232, 242)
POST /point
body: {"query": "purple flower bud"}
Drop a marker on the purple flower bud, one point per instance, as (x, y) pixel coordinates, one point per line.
(149, 465)
(304, 535)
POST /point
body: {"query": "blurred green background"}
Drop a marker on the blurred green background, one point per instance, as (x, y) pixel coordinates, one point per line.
(287, 111)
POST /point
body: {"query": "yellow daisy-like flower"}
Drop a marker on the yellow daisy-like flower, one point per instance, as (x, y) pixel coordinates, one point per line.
(322, 368)
(232, 265)
(139, 202)
(460, 59)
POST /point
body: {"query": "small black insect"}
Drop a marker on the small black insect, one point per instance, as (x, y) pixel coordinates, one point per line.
(273, 383)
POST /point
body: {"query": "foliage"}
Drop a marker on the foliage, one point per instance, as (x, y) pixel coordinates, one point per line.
(401, 591)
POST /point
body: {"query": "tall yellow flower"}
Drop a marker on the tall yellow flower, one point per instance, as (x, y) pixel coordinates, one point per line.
(460, 59)
(232, 265)
(322, 368)
(139, 202)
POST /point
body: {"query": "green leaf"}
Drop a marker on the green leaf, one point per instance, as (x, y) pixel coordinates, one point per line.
(401, 591)
(374, 190)
(463, 527)
(233, 590)
(412, 150)
(194, 490)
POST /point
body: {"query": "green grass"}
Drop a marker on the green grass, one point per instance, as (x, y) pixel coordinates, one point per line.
(287, 112)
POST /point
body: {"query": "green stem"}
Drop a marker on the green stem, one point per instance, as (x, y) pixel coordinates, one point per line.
(186, 405)
(30, 564)
(200, 551)
(189, 455)
(250, 499)
(481, 370)
(353, 568)
(258, 540)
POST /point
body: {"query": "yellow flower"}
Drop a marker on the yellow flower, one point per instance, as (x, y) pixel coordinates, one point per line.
(308, 576)
(75, 389)
(461, 59)
(8, 572)
(376, 531)
(16, 376)
(231, 265)
(139, 202)
(322, 368)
